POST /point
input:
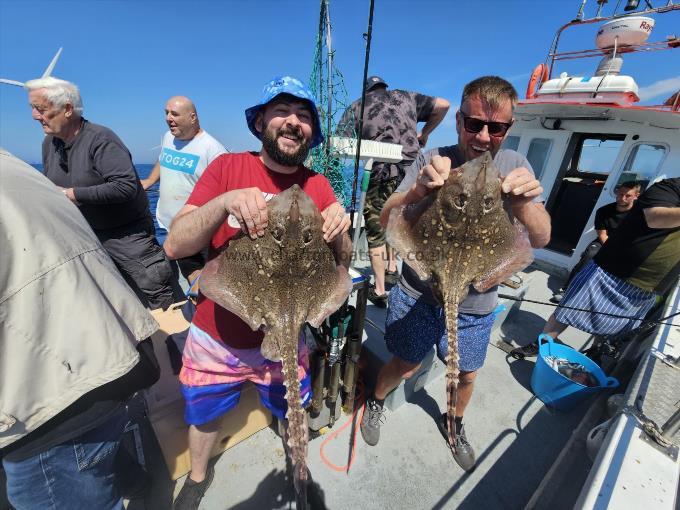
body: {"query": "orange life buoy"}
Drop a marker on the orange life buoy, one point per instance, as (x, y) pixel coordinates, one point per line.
(538, 77)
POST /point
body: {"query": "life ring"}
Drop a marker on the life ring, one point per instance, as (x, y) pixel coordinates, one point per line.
(538, 77)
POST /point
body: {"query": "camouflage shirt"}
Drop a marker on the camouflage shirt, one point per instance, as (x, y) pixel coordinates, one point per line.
(390, 116)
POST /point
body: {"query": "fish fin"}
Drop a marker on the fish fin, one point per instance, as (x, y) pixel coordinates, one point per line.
(225, 282)
(270, 348)
(400, 236)
(522, 256)
(339, 292)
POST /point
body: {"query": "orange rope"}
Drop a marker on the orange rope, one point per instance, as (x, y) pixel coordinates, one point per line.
(359, 404)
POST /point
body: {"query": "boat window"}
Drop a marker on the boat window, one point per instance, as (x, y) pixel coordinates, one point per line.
(511, 142)
(587, 164)
(598, 155)
(642, 163)
(539, 149)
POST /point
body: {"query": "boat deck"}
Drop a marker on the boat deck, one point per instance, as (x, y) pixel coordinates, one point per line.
(516, 438)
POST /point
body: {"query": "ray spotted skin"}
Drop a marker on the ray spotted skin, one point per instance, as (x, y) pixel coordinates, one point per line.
(457, 236)
(277, 283)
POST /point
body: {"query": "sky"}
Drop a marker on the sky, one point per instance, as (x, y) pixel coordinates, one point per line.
(129, 56)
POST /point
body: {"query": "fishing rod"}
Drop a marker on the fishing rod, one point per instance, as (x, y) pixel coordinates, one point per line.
(617, 316)
(355, 183)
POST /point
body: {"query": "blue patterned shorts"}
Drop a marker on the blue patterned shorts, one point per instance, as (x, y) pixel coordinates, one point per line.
(412, 327)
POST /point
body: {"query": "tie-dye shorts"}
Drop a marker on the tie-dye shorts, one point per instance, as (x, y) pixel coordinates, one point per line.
(213, 375)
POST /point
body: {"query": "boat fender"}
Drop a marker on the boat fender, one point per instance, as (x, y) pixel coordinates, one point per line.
(538, 77)
(595, 439)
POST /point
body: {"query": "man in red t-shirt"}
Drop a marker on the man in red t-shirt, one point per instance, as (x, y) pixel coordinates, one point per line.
(221, 350)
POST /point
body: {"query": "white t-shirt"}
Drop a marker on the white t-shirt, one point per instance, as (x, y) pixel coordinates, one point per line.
(182, 163)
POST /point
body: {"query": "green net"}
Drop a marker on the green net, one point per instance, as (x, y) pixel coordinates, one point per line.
(327, 83)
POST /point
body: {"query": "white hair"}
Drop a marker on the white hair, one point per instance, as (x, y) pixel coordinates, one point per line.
(58, 92)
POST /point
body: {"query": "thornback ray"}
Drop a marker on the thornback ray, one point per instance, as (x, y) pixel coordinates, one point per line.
(276, 283)
(457, 236)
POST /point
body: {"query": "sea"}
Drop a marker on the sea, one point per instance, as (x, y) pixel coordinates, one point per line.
(152, 193)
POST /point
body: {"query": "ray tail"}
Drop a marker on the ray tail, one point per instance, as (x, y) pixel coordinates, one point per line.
(295, 416)
(452, 359)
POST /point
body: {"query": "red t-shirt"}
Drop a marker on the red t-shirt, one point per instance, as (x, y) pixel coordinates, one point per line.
(237, 171)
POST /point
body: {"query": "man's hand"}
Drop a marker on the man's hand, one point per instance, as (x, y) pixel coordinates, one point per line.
(521, 186)
(335, 221)
(249, 208)
(68, 193)
(432, 176)
(422, 139)
(147, 183)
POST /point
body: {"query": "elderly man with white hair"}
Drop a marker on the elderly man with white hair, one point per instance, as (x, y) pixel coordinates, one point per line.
(94, 170)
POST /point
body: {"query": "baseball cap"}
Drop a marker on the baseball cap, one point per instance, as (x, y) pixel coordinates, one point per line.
(286, 85)
(373, 81)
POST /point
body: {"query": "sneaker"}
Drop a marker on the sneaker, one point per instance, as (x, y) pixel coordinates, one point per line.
(463, 453)
(371, 421)
(192, 492)
(557, 297)
(528, 351)
(379, 301)
(391, 278)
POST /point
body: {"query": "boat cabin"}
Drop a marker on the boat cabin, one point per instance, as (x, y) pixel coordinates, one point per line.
(586, 135)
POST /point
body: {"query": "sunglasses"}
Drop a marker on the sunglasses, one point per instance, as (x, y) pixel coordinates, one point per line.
(474, 126)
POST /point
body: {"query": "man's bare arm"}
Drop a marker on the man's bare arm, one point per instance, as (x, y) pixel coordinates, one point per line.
(537, 222)
(522, 188)
(662, 217)
(153, 178)
(602, 235)
(439, 110)
(193, 227)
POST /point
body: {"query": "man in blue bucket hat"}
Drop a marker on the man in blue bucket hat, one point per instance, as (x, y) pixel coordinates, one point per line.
(221, 351)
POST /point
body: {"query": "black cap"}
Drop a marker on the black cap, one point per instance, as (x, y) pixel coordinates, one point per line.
(373, 81)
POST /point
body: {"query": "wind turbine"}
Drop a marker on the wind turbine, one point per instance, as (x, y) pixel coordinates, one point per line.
(48, 72)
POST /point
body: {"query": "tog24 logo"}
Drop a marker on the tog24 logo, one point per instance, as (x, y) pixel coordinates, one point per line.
(180, 161)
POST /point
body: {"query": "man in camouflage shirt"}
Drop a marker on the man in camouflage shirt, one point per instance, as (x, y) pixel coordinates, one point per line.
(390, 116)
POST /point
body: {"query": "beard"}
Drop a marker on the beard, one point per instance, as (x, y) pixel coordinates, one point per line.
(271, 146)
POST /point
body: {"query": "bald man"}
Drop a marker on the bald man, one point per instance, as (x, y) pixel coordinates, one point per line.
(186, 152)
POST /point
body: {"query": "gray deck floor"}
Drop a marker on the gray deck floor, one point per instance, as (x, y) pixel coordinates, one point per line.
(515, 436)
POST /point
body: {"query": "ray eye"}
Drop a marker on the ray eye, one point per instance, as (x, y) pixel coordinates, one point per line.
(460, 200)
(277, 233)
(488, 203)
(307, 235)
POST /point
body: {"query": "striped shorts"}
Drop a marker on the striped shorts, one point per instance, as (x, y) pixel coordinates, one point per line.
(213, 375)
(595, 289)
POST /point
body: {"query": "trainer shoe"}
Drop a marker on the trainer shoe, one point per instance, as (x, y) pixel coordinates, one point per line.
(192, 492)
(371, 421)
(527, 351)
(557, 297)
(379, 301)
(391, 278)
(463, 453)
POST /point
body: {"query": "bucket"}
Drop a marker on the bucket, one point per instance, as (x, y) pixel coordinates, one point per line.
(556, 390)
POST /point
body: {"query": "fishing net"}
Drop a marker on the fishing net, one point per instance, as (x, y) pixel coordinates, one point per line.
(328, 86)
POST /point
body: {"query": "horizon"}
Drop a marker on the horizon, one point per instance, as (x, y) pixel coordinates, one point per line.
(128, 69)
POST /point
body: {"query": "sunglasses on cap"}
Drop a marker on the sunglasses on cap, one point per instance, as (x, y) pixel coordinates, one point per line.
(474, 126)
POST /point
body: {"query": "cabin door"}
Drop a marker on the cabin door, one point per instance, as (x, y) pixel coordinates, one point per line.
(587, 163)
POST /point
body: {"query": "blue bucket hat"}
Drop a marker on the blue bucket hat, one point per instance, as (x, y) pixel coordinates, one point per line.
(293, 87)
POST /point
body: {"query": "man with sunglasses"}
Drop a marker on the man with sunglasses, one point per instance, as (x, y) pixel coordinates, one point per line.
(415, 321)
